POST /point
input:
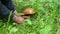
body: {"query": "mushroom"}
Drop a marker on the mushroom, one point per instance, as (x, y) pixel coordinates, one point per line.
(28, 11)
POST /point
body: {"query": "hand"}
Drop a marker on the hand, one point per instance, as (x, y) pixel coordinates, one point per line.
(18, 19)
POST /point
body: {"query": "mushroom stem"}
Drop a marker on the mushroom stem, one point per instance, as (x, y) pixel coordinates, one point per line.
(20, 14)
(26, 17)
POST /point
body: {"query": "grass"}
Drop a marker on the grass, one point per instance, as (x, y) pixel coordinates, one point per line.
(45, 21)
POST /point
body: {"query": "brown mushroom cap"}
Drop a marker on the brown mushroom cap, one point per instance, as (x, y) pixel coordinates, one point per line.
(28, 11)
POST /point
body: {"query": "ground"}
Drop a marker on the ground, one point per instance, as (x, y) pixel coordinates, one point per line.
(46, 20)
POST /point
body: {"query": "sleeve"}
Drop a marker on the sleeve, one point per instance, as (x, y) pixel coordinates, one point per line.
(5, 12)
(8, 4)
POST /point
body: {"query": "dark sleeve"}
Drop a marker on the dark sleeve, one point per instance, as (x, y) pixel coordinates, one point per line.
(5, 12)
(8, 4)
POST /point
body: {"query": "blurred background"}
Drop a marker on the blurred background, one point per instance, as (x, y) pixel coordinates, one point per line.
(46, 20)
